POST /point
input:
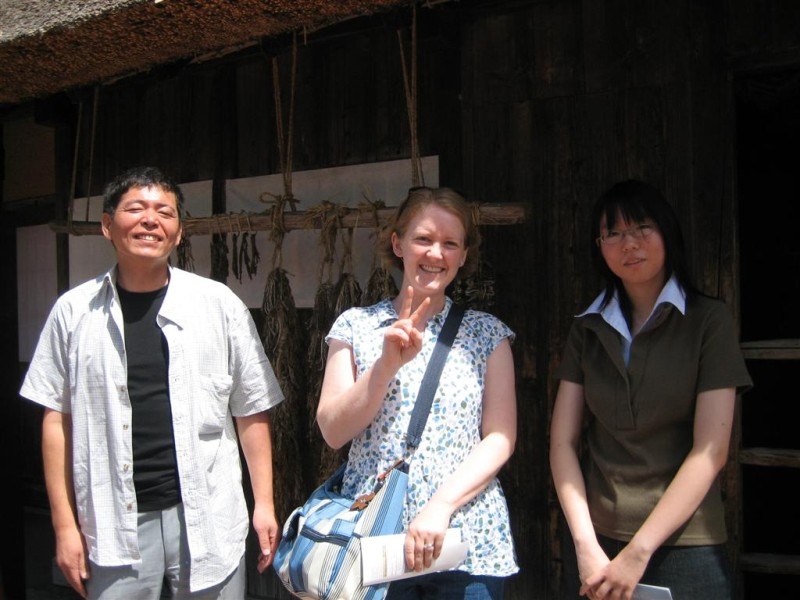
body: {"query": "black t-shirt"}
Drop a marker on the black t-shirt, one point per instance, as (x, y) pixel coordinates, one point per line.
(155, 468)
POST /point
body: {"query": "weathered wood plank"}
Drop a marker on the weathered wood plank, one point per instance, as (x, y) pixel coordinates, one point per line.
(770, 457)
(770, 563)
(772, 350)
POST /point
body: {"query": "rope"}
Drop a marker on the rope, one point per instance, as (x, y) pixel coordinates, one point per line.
(371, 207)
(285, 144)
(91, 149)
(71, 205)
(278, 231)
(410, 87)
(285, 153)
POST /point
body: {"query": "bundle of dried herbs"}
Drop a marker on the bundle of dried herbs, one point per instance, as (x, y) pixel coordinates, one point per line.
(380, 285)
(219, 257)
(236, 258)
(282, 344)
(244, 253)
(184, 252)
(328, 215)
(476, 291)
(348, 291)
(251, 255)
(320, 323)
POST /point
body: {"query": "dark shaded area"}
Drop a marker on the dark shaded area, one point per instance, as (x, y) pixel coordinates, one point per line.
(768, 123)
(768, 109)
(770, 409)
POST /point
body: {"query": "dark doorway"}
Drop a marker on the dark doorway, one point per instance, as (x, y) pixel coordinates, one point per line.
(768, 112)
(768, 130)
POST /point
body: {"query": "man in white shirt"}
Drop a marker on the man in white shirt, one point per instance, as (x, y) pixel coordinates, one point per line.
(143, 372)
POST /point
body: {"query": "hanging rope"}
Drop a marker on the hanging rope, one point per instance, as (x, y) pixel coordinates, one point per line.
(91, 149)
(410, 87)
(285, 142)
(278, 231)
(329, 216)
(74, 178)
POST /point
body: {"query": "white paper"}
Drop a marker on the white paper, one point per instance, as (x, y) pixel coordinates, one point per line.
(383, 557)
(651, 592)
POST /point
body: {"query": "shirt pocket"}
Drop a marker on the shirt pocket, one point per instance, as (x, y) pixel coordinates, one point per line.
(214, 391)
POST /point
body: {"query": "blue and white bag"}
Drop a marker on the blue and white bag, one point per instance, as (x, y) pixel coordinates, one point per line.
(319, 556)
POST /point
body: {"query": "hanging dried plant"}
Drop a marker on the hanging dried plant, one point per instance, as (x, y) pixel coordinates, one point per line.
(219, 257)
(282, 344)
(476, 291)
(184, 253)
(253, 256)
(321, 321)
(236, 267)
(380, 285)
(328, 216)
(348, 291)
(280, 324)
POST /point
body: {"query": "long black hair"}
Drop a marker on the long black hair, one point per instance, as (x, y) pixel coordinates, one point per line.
(636, 202)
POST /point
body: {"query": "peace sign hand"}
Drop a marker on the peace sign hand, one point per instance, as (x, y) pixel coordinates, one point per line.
(403, 339)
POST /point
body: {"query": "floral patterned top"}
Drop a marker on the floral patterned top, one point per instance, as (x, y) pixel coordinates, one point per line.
(452, 431)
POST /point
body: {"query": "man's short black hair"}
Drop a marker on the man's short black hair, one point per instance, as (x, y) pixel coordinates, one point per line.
(139, 177)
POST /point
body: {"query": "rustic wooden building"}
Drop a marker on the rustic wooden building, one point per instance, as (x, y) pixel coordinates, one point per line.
(540, 104)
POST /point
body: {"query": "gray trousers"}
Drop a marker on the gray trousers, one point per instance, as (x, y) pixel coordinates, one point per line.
(165, 555)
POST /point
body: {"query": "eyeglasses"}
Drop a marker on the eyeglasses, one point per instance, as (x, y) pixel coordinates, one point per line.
(613, 236)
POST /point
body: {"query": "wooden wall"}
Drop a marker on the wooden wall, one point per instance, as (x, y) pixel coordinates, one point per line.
(545, 103)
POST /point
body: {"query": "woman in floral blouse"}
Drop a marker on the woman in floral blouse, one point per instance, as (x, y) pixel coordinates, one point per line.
(377, 356)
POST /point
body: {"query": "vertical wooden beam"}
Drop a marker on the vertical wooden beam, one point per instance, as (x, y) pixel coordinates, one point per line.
(12, 529)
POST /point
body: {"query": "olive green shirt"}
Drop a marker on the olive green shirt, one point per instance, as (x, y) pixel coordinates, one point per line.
(641, 416)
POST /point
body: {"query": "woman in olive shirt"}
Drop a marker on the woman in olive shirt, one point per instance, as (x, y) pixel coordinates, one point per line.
(656, 367)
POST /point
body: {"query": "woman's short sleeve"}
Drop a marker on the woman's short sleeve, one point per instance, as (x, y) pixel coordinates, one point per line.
(570, 367)
(342, 329)
(721, 361)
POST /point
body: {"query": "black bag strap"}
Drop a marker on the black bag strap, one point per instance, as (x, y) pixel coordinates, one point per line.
(430, 381)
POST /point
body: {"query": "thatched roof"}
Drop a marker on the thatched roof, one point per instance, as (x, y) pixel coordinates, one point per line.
(48, 46)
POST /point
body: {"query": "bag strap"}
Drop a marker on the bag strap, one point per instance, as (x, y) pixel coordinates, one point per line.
(430, 381)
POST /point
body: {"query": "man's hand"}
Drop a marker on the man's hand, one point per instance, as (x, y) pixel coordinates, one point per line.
(71, 558)
(266, 526)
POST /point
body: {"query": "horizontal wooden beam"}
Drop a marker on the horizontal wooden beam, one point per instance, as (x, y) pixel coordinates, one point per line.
(776, 564)
(770, 457)
(490, 214)
(772, 350)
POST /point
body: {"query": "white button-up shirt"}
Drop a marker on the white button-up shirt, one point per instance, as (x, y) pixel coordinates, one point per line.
(217, 370)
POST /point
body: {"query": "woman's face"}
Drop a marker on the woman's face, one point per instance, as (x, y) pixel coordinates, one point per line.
(432, 250)
(635, 253)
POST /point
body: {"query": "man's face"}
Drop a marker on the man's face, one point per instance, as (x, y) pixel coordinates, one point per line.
(145, 227)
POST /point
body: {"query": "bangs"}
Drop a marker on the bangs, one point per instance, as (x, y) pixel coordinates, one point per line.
(631, 210)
